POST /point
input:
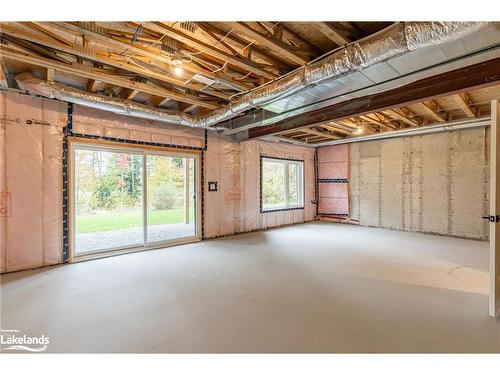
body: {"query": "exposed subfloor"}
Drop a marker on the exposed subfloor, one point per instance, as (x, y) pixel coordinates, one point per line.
(316, 287)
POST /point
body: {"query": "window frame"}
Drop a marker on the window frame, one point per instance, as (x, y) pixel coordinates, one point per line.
(301, 187)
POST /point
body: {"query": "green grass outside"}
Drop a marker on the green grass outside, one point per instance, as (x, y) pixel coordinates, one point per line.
(115, 220)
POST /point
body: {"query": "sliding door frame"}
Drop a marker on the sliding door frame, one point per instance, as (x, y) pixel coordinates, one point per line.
(75, 144)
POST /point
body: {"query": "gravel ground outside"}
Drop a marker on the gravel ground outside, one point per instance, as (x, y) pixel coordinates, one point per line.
(131, 236)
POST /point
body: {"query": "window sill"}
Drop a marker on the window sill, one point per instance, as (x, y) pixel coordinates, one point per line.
(264, 211)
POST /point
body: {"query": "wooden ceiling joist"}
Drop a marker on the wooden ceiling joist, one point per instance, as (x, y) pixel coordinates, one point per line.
(241, 44)
(128, 94)
(157, 101)
(92, 85)
(92, 54)
(432, 109)
(90, 73)
(3, 75)
(375, 121)
(275, 46)
(239, 62)
(320, 133)
(332, 33)
(480, 75)
(336, 128)
(402, 114)
(464, 102)
(121, 47)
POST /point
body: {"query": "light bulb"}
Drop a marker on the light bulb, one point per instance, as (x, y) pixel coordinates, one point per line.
(178, 70)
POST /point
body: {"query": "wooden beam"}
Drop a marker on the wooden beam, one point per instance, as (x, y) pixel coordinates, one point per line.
(331, 33)
(432, 109)
(375, 121)
(42, 28)
(275, 46)
(463, 101)
(92, 54)
(257, 51)
(6, 78)
(319, 133)
(4, 83)
(157, 101)
(188, 40)
(128, 94)
(403, 115)
(336, 128)
(85, 72)
(121, 46)
(189, 108)
(315, 51)
(50, 75)
(92, 85)
(483, 74)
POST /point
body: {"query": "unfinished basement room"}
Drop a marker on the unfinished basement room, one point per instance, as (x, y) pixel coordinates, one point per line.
(250, 186)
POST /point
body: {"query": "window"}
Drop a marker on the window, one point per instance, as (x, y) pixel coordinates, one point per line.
(282, 184)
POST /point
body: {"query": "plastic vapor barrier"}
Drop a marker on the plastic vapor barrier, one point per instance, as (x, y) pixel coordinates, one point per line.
(101, 123)
(30, 181)
(235, 207)
(333, 181)
(31, 189)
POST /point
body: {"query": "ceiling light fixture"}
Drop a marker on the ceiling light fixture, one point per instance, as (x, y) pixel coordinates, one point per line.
(359, 130)
(178, 70)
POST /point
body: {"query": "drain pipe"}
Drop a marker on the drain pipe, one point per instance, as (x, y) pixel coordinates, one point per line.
(445, 127)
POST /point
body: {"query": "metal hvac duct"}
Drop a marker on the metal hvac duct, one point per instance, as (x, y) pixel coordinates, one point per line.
(392, 41)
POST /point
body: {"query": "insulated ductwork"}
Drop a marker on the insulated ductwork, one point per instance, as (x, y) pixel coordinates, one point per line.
(392, 41)
(28, 82)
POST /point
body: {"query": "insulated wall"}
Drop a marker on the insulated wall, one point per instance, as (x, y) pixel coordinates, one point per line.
(30, 181)
(333, 175)
(31, 139)
(435, 183)
(235, 207)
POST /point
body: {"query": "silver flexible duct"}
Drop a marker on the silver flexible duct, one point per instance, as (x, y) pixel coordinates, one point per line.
(392, 41)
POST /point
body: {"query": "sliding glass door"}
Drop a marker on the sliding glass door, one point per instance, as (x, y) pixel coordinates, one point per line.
(170, 198)
(125, 198)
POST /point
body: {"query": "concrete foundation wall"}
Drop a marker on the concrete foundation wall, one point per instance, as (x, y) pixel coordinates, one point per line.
(436, 183)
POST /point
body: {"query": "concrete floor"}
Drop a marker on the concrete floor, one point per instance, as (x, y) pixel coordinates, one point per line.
(317, 287)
